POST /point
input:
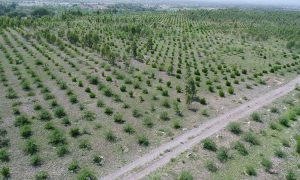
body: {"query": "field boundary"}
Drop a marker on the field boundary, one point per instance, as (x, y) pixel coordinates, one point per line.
(161, 155)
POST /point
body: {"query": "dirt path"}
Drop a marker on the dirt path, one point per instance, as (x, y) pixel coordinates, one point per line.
(160, 156)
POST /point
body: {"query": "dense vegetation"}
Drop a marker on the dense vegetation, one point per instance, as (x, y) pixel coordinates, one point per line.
(86, 92)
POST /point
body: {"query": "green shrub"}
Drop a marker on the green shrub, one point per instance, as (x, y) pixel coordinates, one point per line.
(100, 103)
(92, 95)
(274, 110)
(89, 116)
(129, 129)
(118, 118)
(250, 170)
(5, 172)
(74, 132)
(267, 164)
(49, 126)
(30, 147)
(85, 144)
(57, 137)
(86, 174)
(44, 116)
(25, 131)
(73, 99)
(230, 90)
(36, 160)
(166, 103)
(235, 128)
(298, 144)
(143, 140)
(123, 88)
(164, 116)
(4, 142)
(21, 121)
(185, 175)
(251, 138)
(221, 93)
(136, 113)
(42, 175)
(110, 136)
(202, 101)
(240, 148)
(275, 126)
(4, 155)
(148, 122)
(280, 154)
(62, 150)
(255, 117)
(107, 92)
(209, 144)
(109, 111)
(74, 166)
(211, 166)
(165, 93)
(59, 112)
(66, 121)
(98, 160)
(284, 121)
(291, 175)
(176, 124)
(222, 154)
(94, 80)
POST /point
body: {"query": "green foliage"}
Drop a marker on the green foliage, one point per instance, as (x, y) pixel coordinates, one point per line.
(4, 155)
(209, 144)
(251, 138)
(42, 175)
(59, 112)
(240, 147)
(36, 160)
(22, 121)
(98, 160)
(75, 132)
(190, 90)
(255, 117)
(211, 166)
(74, 166)
(57, 137)
(30, 147)
(267, 164)
(89, 116)
(143, 140)
(39, 12)
(62, 150)
(223, 154)
(280, 154)
(110, 136)
(298, 144)
(164, 116)
(86, 174)
(118, 118)
(185, 175)
(5, 171)
(25, 131)
(251, 171)
(44, 116)
(235, 128)
(129, 129)
(291, 175)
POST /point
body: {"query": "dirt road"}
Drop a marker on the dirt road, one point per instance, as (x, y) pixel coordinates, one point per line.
(160, 156)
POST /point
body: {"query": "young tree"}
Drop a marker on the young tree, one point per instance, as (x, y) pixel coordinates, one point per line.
(190, 90)
(134, 49)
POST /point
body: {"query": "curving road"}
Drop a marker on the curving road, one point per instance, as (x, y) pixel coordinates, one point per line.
(161, 155)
